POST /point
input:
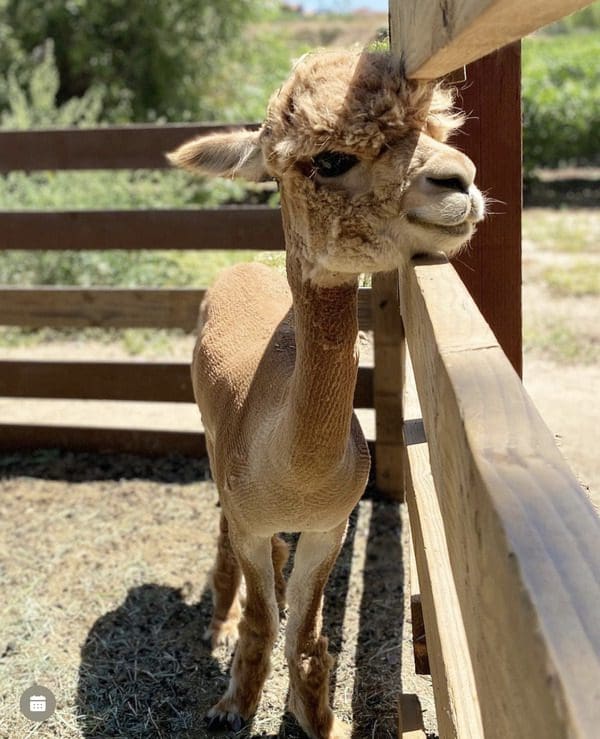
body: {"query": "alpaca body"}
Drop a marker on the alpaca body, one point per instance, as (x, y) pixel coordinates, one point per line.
(304, 486)
(366, 181)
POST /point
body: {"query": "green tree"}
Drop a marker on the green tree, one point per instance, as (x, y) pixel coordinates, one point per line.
(153, 58)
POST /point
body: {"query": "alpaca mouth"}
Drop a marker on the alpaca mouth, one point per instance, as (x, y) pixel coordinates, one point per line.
(465, 228)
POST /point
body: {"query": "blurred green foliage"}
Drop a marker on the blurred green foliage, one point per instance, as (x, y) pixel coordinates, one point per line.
(151, 59)
(561, 100)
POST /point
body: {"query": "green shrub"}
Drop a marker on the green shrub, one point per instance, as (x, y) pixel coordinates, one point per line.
(152, 58)
(561, 100)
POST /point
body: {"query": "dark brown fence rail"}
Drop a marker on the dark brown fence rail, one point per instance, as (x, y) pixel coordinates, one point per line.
(255, 228)
(74, 307)
(135, 380)
(110, 147)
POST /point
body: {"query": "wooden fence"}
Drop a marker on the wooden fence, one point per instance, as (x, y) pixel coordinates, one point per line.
(505, 542)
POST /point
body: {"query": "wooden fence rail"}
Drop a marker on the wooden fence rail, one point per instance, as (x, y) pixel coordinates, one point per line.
(161, 382)
(520, 535)
(256, 228)
(109, 147)
(75, 307)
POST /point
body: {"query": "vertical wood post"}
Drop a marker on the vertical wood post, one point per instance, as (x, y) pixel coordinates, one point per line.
(388, 383)
(491, 266)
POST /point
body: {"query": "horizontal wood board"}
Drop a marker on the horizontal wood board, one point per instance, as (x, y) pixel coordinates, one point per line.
(148, 442)
(109, 147)
(439, 36)
(141, 380)
(522, 536)
(255, 228)
(56, 307)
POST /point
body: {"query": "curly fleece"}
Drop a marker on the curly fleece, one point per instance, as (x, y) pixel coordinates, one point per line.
(357, 102)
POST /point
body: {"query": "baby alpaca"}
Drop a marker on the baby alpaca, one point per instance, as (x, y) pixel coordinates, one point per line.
(366, 181)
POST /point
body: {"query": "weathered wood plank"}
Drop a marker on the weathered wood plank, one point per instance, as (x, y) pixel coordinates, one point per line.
(521, 535)
(133, 380)
(245, 227)
(110, 147)
(455, 695)
(439, 36)
(388, 382)
(57, 307)
(147, 442)
(60, 307)
(144, 441)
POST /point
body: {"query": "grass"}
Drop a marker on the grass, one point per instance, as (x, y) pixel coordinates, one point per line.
(555, 340)
(579, 280)
(571, 231)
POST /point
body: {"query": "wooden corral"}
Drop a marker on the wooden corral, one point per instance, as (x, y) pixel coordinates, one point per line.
(505, 542)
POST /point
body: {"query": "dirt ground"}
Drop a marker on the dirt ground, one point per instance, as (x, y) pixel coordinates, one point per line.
(105, 561)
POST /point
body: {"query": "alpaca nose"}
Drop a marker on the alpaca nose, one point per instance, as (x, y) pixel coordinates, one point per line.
(455, 173)
(458, 183)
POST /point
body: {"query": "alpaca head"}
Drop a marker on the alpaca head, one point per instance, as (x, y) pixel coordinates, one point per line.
(366, 177)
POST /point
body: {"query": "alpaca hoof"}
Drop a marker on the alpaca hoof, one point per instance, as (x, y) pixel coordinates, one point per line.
(222, 633)
(223, 721)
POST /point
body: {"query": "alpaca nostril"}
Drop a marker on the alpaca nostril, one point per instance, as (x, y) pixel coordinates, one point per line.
(450, 183)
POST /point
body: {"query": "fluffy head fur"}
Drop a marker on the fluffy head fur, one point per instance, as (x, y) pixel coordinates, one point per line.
(405, 190)
(352, 101)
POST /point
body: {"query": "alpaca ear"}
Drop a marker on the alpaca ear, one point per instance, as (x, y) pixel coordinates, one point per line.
(235, 154)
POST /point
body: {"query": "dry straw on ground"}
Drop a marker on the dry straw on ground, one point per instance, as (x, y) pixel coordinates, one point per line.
(104, 583)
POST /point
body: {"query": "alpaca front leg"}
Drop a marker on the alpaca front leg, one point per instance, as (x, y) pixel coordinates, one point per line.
(306, 648)
(258, 630)
(225, 583)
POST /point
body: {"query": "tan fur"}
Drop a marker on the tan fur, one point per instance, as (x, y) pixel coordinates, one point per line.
(276, 360)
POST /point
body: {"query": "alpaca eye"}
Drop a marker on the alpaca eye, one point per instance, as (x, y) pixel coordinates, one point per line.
(333, 163)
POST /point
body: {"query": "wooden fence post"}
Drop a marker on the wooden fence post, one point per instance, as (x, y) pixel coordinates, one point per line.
(388, 384)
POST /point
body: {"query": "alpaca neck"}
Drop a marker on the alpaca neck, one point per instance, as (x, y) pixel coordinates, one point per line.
(322, 385)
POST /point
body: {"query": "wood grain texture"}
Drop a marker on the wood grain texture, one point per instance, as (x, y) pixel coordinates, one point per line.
(133, 380)
(522, 537)
(388, 383)
(246, 227)
(491, 265)
(58, 307)
(439, 36)
(109, 147)
(455, 694)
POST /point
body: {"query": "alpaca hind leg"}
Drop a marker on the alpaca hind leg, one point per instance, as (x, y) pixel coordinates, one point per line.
(258, 630)
(225, 583)
(306, 648)
(280, 553)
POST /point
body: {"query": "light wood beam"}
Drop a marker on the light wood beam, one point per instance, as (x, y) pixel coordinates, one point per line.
(522, 536)
(438, 36)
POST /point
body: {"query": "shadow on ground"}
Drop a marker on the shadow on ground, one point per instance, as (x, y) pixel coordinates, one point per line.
(145, 671)
(55, 464)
